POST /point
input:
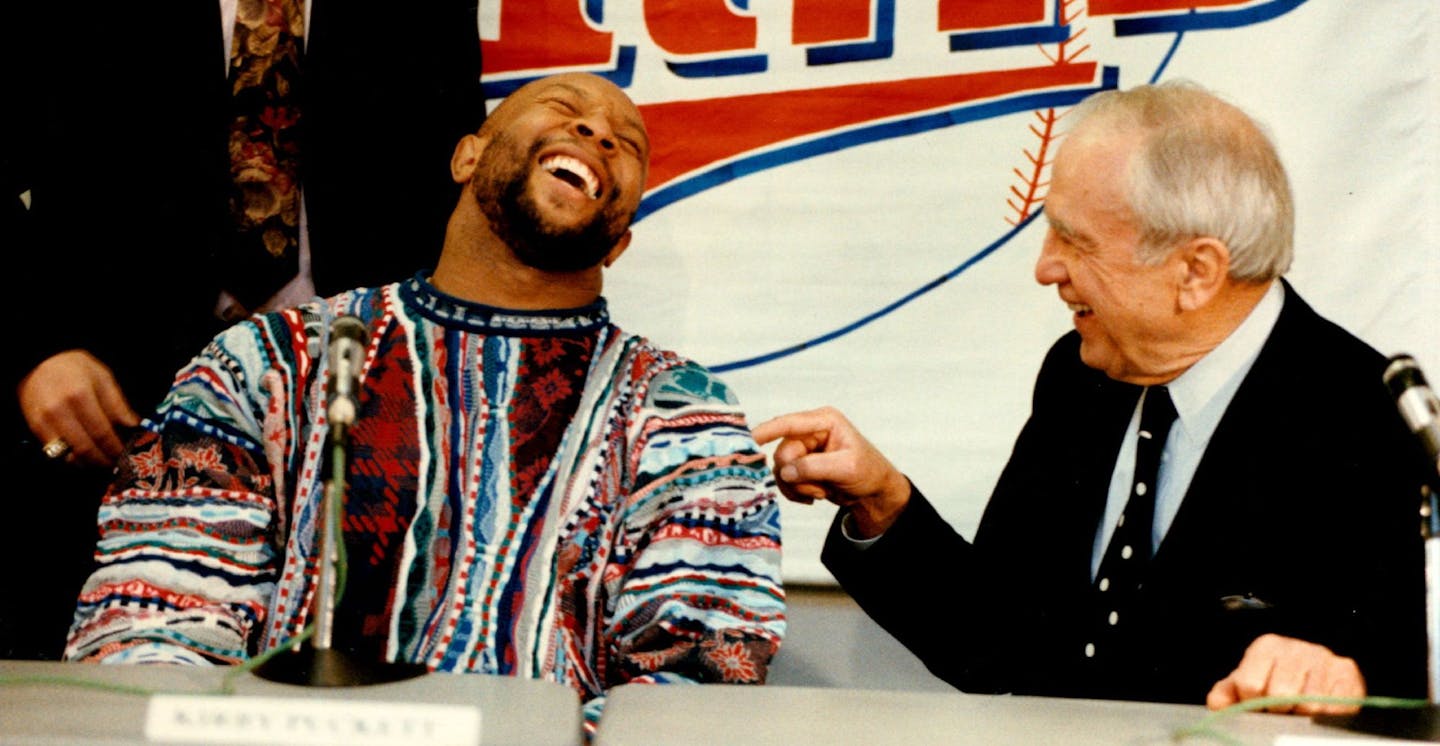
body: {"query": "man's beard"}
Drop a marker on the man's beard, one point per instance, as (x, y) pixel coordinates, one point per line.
(516, 218)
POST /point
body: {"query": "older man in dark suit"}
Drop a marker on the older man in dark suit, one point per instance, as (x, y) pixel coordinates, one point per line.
(1259, 538)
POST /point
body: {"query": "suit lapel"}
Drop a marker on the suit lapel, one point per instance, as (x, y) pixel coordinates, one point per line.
(1225, 487)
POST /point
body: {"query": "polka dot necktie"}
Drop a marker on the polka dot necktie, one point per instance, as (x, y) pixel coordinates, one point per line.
(264, 149)
(1122, 568)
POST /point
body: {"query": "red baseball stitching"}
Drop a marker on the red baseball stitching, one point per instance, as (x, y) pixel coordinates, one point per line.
(1033, 185)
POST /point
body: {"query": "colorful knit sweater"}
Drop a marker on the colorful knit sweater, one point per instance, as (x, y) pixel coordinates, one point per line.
(529, 494)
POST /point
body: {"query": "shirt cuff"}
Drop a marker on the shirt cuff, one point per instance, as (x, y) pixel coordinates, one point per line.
(858, 544)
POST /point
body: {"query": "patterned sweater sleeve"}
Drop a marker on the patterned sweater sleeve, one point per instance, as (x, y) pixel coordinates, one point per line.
(189, 530)
(694, 586)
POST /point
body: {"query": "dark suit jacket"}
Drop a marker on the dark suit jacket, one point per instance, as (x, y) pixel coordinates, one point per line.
(115, 120)
(1301, 520)
(117, 123)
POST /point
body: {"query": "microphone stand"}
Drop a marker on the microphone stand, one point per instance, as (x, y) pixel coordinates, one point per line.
(318, 663)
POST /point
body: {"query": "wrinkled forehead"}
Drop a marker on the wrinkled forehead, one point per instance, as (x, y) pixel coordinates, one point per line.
(590, 89)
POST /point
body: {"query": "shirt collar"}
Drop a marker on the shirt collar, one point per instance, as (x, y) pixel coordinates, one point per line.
(1202, 393)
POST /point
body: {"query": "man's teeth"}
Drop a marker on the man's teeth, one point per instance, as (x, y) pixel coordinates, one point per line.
(1079, 308)
(572, 170)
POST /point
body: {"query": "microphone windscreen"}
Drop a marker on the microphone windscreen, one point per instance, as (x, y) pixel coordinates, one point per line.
(348, 327)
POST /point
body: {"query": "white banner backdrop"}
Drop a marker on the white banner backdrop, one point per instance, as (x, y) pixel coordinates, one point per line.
(842, 197)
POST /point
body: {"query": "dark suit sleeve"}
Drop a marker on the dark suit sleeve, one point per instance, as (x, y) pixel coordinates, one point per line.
(1030, 555)
(898, 581)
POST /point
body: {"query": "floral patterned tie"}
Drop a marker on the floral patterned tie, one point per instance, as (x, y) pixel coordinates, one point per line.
(265, 148)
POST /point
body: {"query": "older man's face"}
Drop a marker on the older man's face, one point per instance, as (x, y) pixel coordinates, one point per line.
(563, 172)
(1127, 313)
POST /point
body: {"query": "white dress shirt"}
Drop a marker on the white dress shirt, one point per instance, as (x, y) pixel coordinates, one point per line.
(1201, 396)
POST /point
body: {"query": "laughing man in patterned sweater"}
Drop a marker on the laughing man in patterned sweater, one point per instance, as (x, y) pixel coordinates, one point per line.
(531, 491)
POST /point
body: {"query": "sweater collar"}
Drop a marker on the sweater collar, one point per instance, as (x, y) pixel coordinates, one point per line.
(418, 294)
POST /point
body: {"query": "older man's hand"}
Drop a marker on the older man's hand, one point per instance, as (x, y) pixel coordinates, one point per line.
(1278, 666)
(822, 456)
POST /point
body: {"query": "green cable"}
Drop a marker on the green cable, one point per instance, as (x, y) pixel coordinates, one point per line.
(80, 683)
(1208, 726)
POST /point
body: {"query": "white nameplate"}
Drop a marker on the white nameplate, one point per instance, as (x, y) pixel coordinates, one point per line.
(271, 720)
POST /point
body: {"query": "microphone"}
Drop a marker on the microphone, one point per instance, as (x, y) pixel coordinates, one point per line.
(347, 355)
(1417, 403)
(1421, 411)
(319, 663)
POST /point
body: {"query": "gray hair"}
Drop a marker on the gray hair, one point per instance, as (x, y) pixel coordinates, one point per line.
(1203, 168)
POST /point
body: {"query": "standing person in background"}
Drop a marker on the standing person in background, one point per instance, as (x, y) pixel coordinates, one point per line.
(122, 211)
(1214, 498)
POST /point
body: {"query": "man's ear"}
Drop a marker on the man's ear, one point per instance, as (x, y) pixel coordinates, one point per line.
(466, 157)
(1206, 262)
(618, 249)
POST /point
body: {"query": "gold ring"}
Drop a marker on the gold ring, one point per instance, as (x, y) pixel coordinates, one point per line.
(56, 448)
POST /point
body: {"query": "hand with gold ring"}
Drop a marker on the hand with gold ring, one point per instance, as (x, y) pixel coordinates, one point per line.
(56, 448)
(74, 406)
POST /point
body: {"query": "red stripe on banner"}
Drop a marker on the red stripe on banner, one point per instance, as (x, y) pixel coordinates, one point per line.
(827, 21)
(544, 34)
(741, 124)
(956, 15)
(1116, 7)
(699, 26)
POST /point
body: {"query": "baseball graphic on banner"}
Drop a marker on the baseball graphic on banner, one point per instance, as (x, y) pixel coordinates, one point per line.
(845, 197)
